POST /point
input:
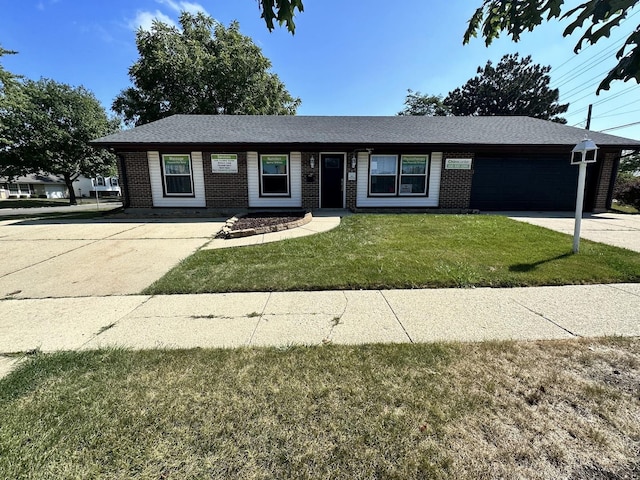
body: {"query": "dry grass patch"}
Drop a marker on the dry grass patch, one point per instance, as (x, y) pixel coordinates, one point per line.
(540, 410)
(549, 410)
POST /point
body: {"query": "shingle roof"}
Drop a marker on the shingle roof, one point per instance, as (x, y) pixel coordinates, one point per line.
(282, 129)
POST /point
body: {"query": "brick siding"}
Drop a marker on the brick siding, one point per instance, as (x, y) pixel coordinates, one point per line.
(604, 182)
(137, 193)
(310, 181)
(352, 187)
(226, 190)
(455, 185)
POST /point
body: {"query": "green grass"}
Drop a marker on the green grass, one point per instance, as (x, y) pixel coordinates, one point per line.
(621, 208)
(41, 202)
(495, 410)
(405, 251)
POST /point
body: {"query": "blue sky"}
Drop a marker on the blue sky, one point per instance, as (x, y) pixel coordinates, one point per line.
(347, 57)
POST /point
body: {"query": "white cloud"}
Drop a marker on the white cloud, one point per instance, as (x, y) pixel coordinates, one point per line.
(144, 20)
(180, 6)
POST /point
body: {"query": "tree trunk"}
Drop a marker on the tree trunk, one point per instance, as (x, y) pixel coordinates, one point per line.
(72, 194)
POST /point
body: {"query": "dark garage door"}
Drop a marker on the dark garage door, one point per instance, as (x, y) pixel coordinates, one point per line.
(521, 183)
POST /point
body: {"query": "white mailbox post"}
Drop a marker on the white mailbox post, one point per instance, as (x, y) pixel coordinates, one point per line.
(583, 153)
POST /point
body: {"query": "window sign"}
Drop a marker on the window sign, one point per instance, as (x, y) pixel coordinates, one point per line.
(177, 174)
(458, 164)
(274, 164)
(274, 174)
(393, 175)
(224, 163)
(413, 175)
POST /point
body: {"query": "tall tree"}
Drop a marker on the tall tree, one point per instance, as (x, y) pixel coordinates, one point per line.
(202, 67)
(9, 95)
(6, 78)
(630, 164)
(515, 86)
(417, 103)
(599, 17)
(49, 131)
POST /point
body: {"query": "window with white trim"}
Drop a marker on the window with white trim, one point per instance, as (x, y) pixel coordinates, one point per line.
(274, 175)
(177, 175)
(114, 181)
(413, 174)
(383, 173)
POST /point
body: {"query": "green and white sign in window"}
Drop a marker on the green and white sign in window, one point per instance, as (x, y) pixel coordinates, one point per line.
(274, 174)
(224, 163)
(390, 175)
(178, 178)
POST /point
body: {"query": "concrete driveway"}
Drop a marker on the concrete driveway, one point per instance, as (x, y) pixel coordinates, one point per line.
(72, 258)
(618, 229)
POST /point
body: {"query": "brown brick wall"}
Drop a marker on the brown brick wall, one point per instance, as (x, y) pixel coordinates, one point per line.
(604, 182)
(351, 186)
(310, 181)
(226, 190)
(137, 193)
(455, 185)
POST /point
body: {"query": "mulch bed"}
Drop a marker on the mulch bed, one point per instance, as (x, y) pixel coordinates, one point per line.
(266, 219)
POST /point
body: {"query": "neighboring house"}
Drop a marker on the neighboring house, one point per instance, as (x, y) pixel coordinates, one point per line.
(460, 163)
(33, 186)
(105, 186)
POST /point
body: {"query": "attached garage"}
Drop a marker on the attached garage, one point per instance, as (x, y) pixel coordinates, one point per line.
(529, 183)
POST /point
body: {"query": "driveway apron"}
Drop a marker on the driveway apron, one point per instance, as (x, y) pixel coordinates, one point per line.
(76, 258)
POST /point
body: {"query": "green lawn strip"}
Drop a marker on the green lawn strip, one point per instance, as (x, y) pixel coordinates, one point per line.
(620, 208)
(33, 202)
(494, 410)
(405, 251)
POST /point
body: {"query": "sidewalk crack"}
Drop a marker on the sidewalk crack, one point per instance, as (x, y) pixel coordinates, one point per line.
(615, 287)
(259, 319)
(547, 319)
(337, 319)
(396, 316)
(113, 324)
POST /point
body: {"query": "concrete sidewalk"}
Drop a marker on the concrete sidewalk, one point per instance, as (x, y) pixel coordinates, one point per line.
(314, 318)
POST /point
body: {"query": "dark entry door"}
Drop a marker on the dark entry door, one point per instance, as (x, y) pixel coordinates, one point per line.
(332, 180)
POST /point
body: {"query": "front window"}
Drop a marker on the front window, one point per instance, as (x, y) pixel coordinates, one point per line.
(114, 181)
(413, 175)
(178, 178)
(274, 174)
(383, 173)
(99, 181)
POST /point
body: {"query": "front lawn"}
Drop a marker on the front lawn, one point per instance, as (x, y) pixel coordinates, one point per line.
(405, 251)
(535, 410)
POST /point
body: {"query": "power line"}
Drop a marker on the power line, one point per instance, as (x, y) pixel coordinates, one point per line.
(617, 114)
(600, 102)
(620, 126)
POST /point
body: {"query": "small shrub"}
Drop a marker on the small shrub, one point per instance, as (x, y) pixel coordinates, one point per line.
(627, 190)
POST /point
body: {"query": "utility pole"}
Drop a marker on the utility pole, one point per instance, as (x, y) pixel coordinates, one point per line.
(589, 117)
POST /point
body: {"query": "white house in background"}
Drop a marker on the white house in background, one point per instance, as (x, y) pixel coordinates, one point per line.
(105, 186)
(33, 186)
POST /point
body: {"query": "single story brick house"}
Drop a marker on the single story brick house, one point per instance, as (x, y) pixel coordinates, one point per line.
(223, 162)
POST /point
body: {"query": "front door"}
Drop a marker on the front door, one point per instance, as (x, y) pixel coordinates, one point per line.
(331, 180)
